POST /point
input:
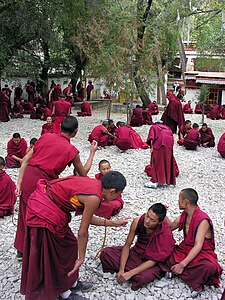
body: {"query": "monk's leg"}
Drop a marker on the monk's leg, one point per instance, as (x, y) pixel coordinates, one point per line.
(146, 277)
(110, 259)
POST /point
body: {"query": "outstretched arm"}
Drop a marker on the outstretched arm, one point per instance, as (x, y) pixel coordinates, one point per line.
(105, 222)
(22, 170)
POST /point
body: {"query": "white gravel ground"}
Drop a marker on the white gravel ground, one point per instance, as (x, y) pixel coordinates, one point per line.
(202, 170)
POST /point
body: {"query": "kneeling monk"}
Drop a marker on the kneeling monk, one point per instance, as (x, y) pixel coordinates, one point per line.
(52, 254)
(154, 244)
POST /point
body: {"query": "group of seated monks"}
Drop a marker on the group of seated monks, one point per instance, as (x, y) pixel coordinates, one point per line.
(191, 136)
(142, 116)
(214, 112)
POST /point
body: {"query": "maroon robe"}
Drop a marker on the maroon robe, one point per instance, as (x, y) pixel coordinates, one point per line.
(18, 92)
(46, 128)
(137, 117)
(198, 108)
(89, 89)
(45, 276)
(156, 246)
(98, 135)
(154, 109)
(28, 108)
(128, 138)
(51, 155)
(4, 108)
(62, 109)
(30, 91)
(147, 117)
(183, 130)
(162, 160)
(207, 136)
(192, 139)
(204, 268)
(222, 113)
(85, 110)
(187, 109)
(221, 145)
(7, 194)
(47, 113)
(173, 115)
(17, 112)
(214, 113)
(17, 150)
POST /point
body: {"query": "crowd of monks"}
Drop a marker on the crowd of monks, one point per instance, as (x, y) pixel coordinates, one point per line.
(46, 202)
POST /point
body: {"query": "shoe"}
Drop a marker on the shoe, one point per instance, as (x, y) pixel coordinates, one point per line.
(168, 275)
(152, 185)
(82, 286)
(73, 297)
(194, 294)
(19, 256)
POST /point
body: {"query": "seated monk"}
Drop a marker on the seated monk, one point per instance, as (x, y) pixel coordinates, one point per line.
(221, 145)
(27, 107)
(192, 139)
(207, 109)
(7, 192)
(127, 138)
(182, 133)
(38, 112)
(194, 259)
(147, 116)
(48, 127)
(154, 244)
(17, 111)
(137, 116)
(214, 113)
(16, 150)
(32, 143)
(85, 109)
(187, 108)
(153, 107)
(100, 134)
(198, 108)
(222, 112)
(111, 128)
(206, 136)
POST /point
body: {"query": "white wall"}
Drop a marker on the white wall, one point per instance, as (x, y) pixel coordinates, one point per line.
(223, 98)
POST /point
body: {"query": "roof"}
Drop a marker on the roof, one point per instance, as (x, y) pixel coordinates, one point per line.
(206, 77)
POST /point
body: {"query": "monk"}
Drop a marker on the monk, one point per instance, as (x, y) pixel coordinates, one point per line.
(27, 107)
(32, 143)
(160, 139)
(207, 138)
(173, 115)
(17, 111)
(221, 145)
(153, 107)
(7, 192)
(147, 116)
(194, 259)
(182, 133)
(198, 108)
(137, 116)
(154, 244)
(111, 129)
(30, 89)
(18, 92)
(38, 112)
(222, 112)
(56, 270)
(192, 139)
(128, 138)
(89, 89)
(16, 150)
(100, 134)
(48, 127)
(61, 109)
(214, 113)
(50, 156)
(187, 108)
(85, 109)
(4, 107)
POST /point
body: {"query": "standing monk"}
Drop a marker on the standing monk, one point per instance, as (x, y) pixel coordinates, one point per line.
(162, 163)
(51, 154)
(194, 259)
(221, 145)
(173, 115)
(4, 107)
(206, 136)
(16, 150)
(55, 270)
(61, 109)
(89, 89)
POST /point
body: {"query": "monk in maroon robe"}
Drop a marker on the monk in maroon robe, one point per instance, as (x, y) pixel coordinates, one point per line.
(4, 107)
(111, 129)
(18, 92)
(147, 116)
(48, 127)
(194, 259)
(16, 150)
(153, 107)
(56, 269)
(154, 244)
(214, 113)
(160, 139)
(7, 192)
(137, 116)
(192, 139)
(221, 145)
(183, 130)
(50, 156)
(30, 89)
(89, 89)
(198, 108)
(207, 109)
(61, 109)
(85, 109)
(100, 134)
(187, 108)
(173, 115)
(17, 111)
(27, 107)
(206, 136)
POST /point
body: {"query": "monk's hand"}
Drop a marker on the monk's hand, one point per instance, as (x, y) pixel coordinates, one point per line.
(18, 190)
(177, 269)
(122, 221)
(94, 146)
(119, 276)
(126, 276)
(77, 264)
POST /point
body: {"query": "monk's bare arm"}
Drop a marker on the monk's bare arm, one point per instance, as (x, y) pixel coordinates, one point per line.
(126, 250)
(17, 158)
(144, 266)
(199, 240)
(105, 222)
(173, 224)
(22, 170)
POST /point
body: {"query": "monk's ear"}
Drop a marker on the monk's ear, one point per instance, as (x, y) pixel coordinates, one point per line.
(112, 191)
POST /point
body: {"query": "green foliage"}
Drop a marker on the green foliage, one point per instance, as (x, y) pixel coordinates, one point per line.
(204, 94)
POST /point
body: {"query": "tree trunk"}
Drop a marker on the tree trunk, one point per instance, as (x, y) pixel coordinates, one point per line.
(161, 77)
(45, 68)
(182, 55)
